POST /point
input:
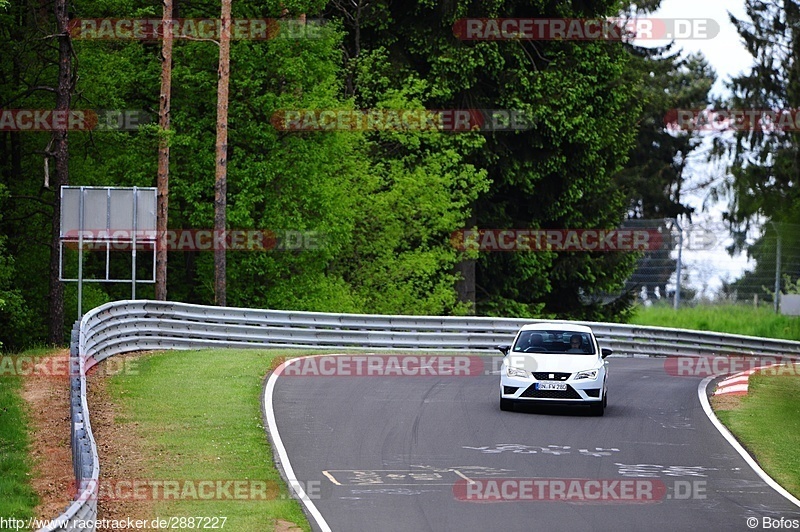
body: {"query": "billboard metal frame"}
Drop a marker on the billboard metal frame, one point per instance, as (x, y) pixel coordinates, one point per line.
(140, 230)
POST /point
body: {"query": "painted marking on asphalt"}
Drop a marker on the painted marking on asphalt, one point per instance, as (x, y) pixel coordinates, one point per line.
(655, 470)
(598, 451)
(519, 448)
(331, 478)
(387, 491)
(552, 450)
(472, 471)
(393, 477)
(460, 474)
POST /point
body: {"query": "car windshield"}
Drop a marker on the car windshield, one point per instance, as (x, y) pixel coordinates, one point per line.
(554, 341)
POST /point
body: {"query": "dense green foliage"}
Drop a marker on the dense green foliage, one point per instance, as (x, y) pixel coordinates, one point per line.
(582, 98)
(385, 202)
(13, 312)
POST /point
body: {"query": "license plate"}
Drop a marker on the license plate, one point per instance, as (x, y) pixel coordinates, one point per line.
(551, 386)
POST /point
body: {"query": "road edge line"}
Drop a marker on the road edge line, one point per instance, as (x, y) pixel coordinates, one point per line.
(703, 396)
(277, 443)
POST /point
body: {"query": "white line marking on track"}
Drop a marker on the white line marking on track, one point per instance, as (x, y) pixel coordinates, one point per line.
(278, 443)
(701, 393)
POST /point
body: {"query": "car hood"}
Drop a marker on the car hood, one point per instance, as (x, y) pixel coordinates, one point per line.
(567, 363)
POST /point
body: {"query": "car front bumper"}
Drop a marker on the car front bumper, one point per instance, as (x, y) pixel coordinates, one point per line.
(577, 391)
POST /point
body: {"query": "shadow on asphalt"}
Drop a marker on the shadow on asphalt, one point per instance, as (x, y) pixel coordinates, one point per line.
(558, 410)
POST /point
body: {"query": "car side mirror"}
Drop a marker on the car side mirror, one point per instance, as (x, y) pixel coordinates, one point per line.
(606, 351)
(504, 349)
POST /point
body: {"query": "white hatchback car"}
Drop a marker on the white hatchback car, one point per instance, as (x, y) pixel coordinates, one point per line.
(554, 363)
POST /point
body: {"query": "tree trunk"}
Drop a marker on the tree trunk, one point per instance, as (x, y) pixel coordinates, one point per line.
(61, 155)
(162, 210)
(221, 175)
(465, 286)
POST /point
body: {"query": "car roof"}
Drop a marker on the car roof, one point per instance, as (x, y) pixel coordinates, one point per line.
(546, 326)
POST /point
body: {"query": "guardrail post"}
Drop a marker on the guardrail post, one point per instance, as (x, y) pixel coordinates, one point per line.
(74, 338)
(76, 417)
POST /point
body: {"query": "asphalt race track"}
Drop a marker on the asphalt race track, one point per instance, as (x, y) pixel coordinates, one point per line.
(416, 453)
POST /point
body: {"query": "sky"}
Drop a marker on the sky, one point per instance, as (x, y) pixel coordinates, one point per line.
(726, 53)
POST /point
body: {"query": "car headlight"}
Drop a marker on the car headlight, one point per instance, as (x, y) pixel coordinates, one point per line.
(587, 374)
(516, 372)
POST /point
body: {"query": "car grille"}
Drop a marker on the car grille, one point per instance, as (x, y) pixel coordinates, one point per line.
(545, 376)
(593, 392)
(508, 390)
(533, 393)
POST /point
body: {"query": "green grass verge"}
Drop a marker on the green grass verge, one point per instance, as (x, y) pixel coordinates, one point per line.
(17, 497)
(736, 319)
(767, 423)
(198, 414)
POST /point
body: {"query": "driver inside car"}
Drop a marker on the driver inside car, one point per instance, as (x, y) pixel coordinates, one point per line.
(575, 344)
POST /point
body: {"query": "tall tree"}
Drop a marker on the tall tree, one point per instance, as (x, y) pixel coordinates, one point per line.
(221, 173)
(162, 211)
(61, 155)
